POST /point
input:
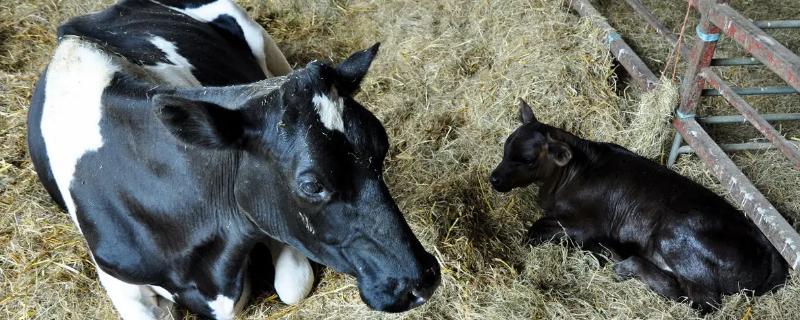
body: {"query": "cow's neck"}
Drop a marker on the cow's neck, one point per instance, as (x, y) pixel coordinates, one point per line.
(255, 179)
(233, 97)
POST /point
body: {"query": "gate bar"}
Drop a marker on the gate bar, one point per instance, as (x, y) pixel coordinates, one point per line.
(733, 147)
(758, 43)
(725, 62)
(624, 54)
(771, 117)
(749, 113)
(778, 24)
(757, 91)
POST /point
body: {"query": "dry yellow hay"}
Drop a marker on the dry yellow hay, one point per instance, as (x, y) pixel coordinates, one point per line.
(445, 86)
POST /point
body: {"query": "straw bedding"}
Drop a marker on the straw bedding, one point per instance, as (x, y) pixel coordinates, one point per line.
(445, 86)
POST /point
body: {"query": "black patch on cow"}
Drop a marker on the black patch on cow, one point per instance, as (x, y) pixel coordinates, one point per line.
(201, 123)
(230, 30)
(106, 28)
(185, 4)
(217, 50)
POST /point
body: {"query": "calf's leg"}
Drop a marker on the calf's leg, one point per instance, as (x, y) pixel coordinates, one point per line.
(704, 298)
(660, 281)
(544, 230)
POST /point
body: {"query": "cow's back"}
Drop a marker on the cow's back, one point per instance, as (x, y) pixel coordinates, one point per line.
(184, 50)
(165, 44)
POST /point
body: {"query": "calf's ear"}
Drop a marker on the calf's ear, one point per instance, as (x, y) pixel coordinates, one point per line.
(353, 70)
(558, 151)
(201, 123)
(525, 112)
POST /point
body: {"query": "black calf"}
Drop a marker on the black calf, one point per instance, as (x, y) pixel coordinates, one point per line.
(675, 235)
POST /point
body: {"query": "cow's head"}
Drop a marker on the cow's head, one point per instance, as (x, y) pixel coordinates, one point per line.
(311, 175)
(530, 154)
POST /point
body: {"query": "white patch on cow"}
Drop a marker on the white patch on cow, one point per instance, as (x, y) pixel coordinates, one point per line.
(330, 109)
(179, 71)
(254, 34)
(222, 307)
(71, 113)
(163, 293)
(293, 274)
(135, 301)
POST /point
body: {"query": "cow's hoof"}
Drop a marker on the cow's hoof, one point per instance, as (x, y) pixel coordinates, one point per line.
(293, 276)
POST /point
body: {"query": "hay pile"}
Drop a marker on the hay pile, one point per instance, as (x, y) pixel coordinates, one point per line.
(445, 86)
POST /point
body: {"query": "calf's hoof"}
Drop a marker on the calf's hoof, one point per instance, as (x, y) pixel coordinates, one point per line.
(624, 270)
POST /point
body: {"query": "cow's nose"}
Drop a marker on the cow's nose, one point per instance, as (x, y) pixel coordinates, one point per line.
(428, 283)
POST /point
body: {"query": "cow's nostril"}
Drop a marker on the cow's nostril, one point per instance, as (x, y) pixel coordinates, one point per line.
(493, 179)
(419, 297)
(431, 274)
(427, 285)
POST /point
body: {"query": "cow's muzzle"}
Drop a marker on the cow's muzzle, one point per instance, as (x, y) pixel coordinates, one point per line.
(403, 294)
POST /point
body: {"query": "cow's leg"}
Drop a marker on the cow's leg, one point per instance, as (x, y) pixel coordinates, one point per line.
(136, 301)
(274, 59)
(660, 281)
(294, 276)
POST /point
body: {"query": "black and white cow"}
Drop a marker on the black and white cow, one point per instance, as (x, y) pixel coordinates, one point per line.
(179, 139)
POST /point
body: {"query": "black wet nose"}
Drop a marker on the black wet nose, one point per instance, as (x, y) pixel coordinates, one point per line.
(430, 280)
(494, 179)
(406, 292)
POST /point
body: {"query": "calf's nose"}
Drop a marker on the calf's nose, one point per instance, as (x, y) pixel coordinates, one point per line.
(494, 180)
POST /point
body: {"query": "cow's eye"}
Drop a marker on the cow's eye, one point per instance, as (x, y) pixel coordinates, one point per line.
(311, 188)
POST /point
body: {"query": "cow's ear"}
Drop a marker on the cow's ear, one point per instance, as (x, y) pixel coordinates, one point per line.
(558, 151)
(202, 123)
(525, 112)
(353, 70)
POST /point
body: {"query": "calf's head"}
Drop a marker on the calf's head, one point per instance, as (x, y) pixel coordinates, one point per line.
(310, 174)
(530, 154)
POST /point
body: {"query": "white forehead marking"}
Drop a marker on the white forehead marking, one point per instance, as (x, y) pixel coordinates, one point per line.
(71, 112)
(222, 308)
(330, 108)
(254, 34)
(179, 71)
